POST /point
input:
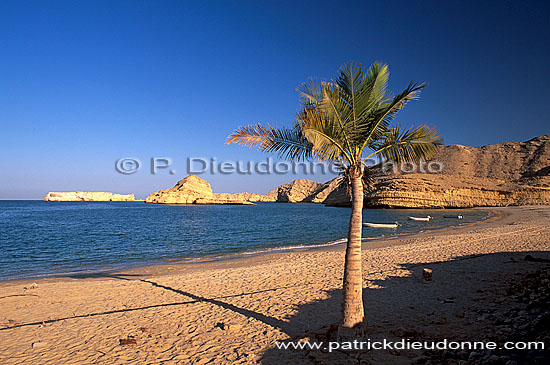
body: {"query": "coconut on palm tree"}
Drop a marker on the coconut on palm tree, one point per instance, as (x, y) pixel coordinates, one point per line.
(348, 121)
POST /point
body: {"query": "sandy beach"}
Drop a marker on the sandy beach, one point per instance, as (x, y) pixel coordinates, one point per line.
(234, 311)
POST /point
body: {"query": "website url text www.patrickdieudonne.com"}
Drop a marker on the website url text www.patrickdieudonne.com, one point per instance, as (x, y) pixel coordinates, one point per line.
(405, 344)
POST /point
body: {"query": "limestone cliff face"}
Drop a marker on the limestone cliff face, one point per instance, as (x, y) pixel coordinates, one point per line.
(503, 174)
(186, 191)
(298, 191)
(251, 197)
(192, 190)
(74, 196)
(333, 190)
(520, 162)
(122, 197)
(306, 191)
(447, 191)
(339, 195)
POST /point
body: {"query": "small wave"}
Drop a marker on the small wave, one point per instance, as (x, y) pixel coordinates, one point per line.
(294, 247)
(260, 251)
(269, 250)
(336, 242)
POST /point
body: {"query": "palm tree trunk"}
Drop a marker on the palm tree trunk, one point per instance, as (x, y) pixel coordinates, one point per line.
(352, 304)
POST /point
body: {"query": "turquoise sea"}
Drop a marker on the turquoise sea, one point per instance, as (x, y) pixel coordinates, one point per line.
(39, 238)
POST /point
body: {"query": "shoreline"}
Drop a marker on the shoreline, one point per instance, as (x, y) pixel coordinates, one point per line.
(245, 257)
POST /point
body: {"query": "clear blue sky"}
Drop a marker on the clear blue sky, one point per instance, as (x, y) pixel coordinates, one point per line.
(84, 83)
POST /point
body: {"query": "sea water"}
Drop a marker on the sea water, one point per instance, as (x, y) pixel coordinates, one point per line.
(39, 238)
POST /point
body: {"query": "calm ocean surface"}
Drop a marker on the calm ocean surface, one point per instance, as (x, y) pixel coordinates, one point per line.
(39, 238)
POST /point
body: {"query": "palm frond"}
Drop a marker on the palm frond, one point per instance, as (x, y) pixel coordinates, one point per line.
(348, 104)
(410, 145)
(328, 138)
(335, 105)
(355, 98)
(323, 146)
(387, 111)
(322, 110)
(311, 93)
(373, 92)
(288, 143)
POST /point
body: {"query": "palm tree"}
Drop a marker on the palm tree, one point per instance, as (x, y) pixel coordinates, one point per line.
(348, 121)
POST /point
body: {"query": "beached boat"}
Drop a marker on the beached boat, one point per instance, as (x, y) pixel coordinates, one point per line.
(381, 225)
(454, 216)
(423, 219)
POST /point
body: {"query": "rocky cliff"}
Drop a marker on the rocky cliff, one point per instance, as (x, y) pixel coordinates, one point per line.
(251, 197)
(194, 190)
(510, 173)
(74, 196)
(186, 191)
(298, 191)
(451, 191)
(503, 174)
(305, 191)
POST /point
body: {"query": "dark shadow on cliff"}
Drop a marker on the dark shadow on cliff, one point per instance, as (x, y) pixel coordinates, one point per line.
(459, 304)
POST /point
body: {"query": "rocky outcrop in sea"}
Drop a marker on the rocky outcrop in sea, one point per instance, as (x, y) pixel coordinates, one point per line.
(88, 196)
(194, 190)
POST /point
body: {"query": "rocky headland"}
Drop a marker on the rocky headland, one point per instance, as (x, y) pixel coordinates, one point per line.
(194, 190)
(88, 196)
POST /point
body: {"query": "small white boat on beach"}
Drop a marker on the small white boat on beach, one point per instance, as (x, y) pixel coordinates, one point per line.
(381, 225)
(454, 216)
(423, 219)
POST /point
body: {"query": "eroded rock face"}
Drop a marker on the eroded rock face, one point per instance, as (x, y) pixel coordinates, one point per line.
(335, 190)
(251, 197)
(503, 174)
(339, 195)
(186, 191)
(122, 197)
(96, 196)
(193, 190)
(521, 162)
(299, 191)
(450, 191)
